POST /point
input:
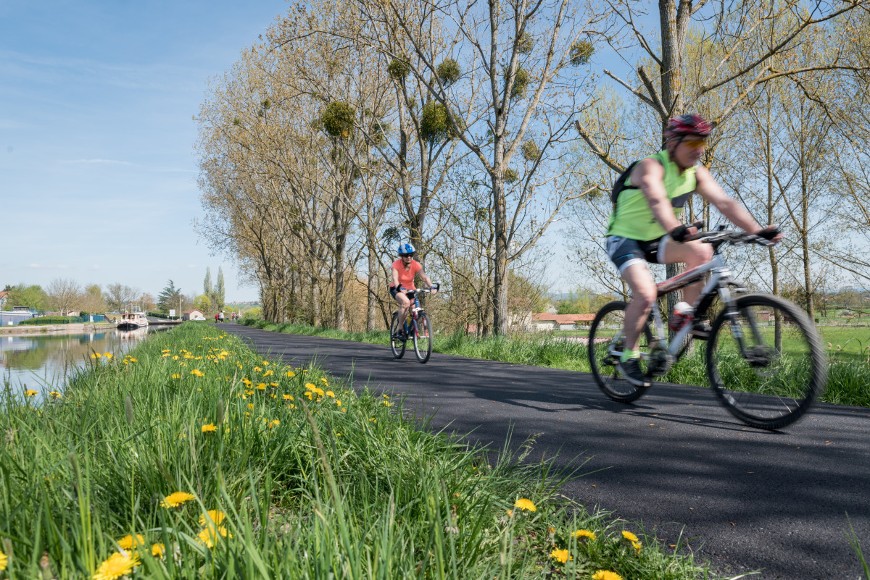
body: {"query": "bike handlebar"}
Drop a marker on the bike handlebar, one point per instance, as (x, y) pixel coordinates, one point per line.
(434, 288)
(720, 237)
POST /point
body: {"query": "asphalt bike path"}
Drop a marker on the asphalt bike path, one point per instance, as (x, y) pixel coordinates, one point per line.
(674, 461)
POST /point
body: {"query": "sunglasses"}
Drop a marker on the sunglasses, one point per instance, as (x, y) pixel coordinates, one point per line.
(694, 142)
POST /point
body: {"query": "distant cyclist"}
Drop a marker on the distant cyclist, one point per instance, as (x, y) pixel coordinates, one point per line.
(647, 225)
(405, 269)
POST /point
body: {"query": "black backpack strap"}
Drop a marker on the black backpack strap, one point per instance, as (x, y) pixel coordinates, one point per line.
(619, 185)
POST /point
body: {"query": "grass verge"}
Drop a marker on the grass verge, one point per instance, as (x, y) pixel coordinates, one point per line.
(192, 457)
(848, 356)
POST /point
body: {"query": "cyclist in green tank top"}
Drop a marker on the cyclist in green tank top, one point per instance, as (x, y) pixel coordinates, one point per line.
(647, 225)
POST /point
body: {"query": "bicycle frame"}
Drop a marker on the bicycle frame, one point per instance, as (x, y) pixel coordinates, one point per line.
(720, 279)
(415, 308)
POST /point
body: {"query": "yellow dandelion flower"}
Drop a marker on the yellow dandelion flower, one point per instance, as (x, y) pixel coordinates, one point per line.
(209, 428)
(273, 384)
(96, 355)
(560, 556)
(129, 542)
(261, 386)
(165, 351)
(310, 386)
(157, 550)
(318, 391)
(250, 405)
(290, 374)
(132, 359)
(117, 565)
(268, 373)
(175, 376)
(210, 535)
(257, 369)
(108, 355)
(30, 393)
(629, 536)
(606, 575)
(4, 561)
(55, 395)
(310, 395)
(215, 517)
(338, 402)
(274, 423)
(247, 382)
(197, 373)
(177, 499)
(584, 535)
(324, 381)
(526, 504)
(330, 394)
(386, 404)
(637, 546)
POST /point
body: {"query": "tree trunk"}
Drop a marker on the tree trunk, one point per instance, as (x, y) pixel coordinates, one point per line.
(500, 278)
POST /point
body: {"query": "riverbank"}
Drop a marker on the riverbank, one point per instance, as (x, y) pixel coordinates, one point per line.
(74, 328)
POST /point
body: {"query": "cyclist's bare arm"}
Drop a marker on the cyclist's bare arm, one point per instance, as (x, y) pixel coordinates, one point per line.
(428, 281)
(727, 205)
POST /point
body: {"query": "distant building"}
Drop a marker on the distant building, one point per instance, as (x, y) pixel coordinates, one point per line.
(544, 321)
(193, 315)
(14, 316)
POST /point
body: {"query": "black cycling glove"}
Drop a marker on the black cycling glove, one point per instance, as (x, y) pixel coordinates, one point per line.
(679, 233)
(768, 233)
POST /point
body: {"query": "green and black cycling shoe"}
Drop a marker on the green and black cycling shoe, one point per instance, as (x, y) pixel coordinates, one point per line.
(632, 372)
(701, 329)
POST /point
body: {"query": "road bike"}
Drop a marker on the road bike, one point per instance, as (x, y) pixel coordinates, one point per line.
(416, 327)
(764, 358)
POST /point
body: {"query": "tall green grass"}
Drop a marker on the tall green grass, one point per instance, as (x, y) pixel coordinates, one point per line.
(848, 352)
(284, 474)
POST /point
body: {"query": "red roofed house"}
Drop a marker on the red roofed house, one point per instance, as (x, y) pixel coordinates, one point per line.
(547, 321)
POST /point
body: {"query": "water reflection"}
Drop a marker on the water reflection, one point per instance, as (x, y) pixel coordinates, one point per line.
(44, 362)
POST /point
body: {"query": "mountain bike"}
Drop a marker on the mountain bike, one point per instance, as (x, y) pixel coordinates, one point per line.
(415, 327)
(764, 357)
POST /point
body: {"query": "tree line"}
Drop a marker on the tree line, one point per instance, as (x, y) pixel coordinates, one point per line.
(470, 128)
(64, 295)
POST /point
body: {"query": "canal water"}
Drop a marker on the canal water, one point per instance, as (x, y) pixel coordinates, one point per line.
(45, 362)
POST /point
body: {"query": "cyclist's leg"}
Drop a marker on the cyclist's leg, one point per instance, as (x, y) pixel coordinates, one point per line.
(692, 254)
(629, 258)
(643, 294)
(404, 304)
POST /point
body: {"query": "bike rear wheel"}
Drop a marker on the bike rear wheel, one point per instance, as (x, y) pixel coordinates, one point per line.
(422, 338)
(605, 348)
(766, 362)
(397, 345)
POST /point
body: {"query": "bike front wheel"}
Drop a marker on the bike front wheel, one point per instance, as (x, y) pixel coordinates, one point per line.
(605, 346)
(397, 344)
(422, 338)
(765, 361)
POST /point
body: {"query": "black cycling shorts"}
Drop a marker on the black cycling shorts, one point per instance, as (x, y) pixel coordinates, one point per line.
(624, 252)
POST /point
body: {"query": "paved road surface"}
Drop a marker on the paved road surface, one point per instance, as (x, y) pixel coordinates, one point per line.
(675, 460)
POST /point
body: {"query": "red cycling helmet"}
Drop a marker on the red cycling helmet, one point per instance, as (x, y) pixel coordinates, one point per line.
(685, 125)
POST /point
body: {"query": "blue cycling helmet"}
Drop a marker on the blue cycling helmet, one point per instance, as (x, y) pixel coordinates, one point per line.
(406, 250)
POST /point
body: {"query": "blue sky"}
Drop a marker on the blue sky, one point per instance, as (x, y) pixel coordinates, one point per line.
(97, 163)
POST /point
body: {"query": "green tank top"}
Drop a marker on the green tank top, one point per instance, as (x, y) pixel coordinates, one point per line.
(633, 217)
